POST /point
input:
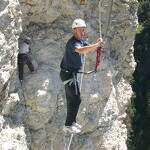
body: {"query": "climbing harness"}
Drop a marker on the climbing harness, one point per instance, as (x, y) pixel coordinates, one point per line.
(69, 81)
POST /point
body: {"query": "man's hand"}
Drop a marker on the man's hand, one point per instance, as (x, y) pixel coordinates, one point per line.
(99, 42)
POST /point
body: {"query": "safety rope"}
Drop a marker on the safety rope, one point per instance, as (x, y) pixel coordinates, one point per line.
(99, 49)
(109, 18)
(100, 19)
(70, 141)
(82, 74)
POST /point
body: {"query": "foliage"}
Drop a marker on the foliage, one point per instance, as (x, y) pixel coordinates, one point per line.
(139, 109)
(139, 29)
(144, 12)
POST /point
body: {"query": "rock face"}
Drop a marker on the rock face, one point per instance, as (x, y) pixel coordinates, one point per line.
(12, 134)
(10, 25)
(35, 113)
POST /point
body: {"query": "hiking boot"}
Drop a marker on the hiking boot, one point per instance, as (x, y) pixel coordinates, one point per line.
(71, 129)
(77, 125)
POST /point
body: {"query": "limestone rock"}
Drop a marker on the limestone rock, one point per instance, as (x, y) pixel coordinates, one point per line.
(35, 112)
(12, 136)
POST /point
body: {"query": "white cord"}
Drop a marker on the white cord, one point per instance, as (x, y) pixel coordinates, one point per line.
(82, 74)
(100, 18)
(68, 148)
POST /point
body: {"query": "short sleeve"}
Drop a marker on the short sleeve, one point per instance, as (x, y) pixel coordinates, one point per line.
(75, 45)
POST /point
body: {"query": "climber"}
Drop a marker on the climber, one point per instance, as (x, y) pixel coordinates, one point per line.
(70, 65)
(24, 57)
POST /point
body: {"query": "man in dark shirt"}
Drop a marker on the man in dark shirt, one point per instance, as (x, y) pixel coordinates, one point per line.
(71, 63)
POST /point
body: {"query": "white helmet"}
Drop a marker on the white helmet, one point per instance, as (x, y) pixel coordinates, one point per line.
(78, 23)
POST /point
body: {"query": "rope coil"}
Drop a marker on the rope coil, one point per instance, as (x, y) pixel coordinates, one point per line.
(98, 56)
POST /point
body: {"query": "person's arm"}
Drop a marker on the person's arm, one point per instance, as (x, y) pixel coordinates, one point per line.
(88, 48)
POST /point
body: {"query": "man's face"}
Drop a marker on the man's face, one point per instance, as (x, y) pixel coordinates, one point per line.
(80, 32)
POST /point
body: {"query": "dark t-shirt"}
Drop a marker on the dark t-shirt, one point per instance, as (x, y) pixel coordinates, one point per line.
(72, 61)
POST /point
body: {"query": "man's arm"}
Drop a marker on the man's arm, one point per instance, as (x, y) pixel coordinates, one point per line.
(88, 48)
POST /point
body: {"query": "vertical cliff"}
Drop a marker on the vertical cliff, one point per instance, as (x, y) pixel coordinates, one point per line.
(33, 115)
(12, 133)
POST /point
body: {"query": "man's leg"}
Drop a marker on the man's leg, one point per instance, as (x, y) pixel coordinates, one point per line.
(29, 63)
(20, 66)
(77, 103)
(73, 102)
